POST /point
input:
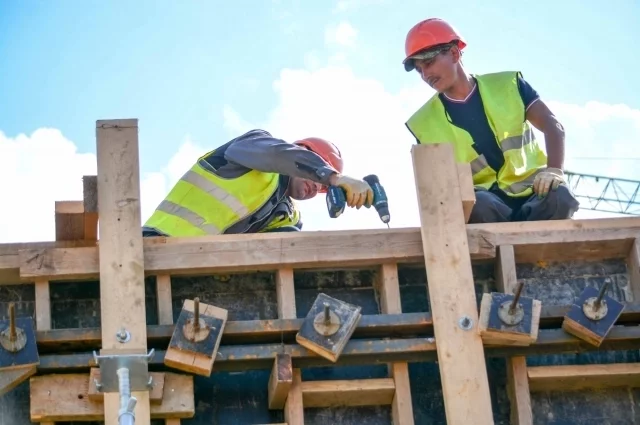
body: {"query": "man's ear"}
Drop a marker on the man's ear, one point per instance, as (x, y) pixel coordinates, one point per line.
(456, 54)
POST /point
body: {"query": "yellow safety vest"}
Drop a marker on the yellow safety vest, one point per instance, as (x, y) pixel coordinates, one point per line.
(203, 203)
(523, 154)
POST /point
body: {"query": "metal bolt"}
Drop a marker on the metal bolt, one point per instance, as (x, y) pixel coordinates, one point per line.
(196, 314)
(512, 308)
(13, 335)
(465, 323)
(123, 335)
(327, 314)
(596, 304)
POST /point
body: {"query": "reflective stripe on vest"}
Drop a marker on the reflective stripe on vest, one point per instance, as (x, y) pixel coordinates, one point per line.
(505, 111)
(201, 203)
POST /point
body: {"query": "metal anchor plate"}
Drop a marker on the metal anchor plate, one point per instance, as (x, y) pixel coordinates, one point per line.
(138, 365)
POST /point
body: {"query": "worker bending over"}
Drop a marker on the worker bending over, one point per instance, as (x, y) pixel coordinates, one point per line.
(485, 117)
(247, 186)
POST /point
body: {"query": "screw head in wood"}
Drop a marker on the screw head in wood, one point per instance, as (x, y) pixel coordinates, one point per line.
(465, 323)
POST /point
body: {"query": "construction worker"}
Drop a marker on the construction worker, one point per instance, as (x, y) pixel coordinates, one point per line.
(486, 117)
(247, 186)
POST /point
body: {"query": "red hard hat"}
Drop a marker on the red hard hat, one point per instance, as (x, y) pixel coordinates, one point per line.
(326, 150)
(429, 33)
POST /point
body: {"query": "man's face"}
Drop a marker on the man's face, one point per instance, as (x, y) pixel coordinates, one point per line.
(440, 71)
(302, 189)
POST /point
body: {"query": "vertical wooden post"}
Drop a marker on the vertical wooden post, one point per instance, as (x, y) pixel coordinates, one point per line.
(389, 290)
(122, 287)
(461, 358)
(517, 378)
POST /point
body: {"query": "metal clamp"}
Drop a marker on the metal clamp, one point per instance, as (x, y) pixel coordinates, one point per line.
(137, 366)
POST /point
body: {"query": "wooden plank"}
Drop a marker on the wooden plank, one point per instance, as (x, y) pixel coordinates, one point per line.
(121, 260)
(561, 240)
(164, 302)
(69, 220)
(61, 398)
(581, 377)
(633, 269)
(467, 192)
(229, 253)
(90, 204)
(196, 357)
(517, 380)
(388, 288)
(285, 293)
(246, 331)
(364, 352)
(451, 286)
(565, 240)
(43, 305)
(11, 378)
(293, 407)
(353, 392)
(280, 381)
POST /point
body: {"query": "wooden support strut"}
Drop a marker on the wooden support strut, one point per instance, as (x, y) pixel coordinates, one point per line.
(451, 287)
(122, 289)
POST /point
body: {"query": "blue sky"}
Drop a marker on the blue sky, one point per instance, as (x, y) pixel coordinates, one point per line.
(196, 73)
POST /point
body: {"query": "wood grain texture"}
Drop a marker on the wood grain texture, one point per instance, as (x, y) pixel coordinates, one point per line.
(451, 286)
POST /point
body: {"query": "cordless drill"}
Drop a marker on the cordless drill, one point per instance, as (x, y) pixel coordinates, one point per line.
(337, 200)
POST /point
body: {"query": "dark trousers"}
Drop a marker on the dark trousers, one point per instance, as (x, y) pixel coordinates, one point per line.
(494, 206)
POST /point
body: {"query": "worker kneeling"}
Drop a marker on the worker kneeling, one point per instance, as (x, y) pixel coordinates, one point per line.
(247, 186)
(486, 117)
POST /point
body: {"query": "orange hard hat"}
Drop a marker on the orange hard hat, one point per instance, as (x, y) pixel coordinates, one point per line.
(429, 33)
(325, 149)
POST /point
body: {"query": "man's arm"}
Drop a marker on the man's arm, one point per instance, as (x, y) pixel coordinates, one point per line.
(538, 114)
(544, 120)
(260, 151)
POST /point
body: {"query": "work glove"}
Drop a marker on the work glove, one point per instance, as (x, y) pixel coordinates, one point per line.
(358, 192)
(546, 180)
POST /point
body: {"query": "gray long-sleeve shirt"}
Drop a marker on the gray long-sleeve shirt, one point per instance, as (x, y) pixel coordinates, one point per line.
(259, 150)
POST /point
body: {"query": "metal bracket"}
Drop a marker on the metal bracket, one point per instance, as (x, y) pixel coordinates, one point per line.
(137, 365)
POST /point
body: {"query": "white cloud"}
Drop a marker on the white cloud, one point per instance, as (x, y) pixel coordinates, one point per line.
(44, 167)
(342, 34)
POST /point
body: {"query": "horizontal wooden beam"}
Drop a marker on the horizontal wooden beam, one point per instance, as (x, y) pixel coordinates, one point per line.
(580, 377)
(366, 351)
(566, 240)
(249, 331)
(241, 253)
(405, 325)
(353, 392)
(58, 398)
(558, 240)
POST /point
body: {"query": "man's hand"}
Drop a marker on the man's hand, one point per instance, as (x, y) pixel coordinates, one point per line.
(358, 192)
(546, 180)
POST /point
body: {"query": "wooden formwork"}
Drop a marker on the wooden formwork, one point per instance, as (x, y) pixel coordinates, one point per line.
(444, 245)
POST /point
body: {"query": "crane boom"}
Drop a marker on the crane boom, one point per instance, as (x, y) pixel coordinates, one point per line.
(607, 194)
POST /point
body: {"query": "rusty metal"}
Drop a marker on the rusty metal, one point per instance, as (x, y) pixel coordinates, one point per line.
(13, 339)
(511, 312)
(327, 322)
(196, 329)
(595, 308)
